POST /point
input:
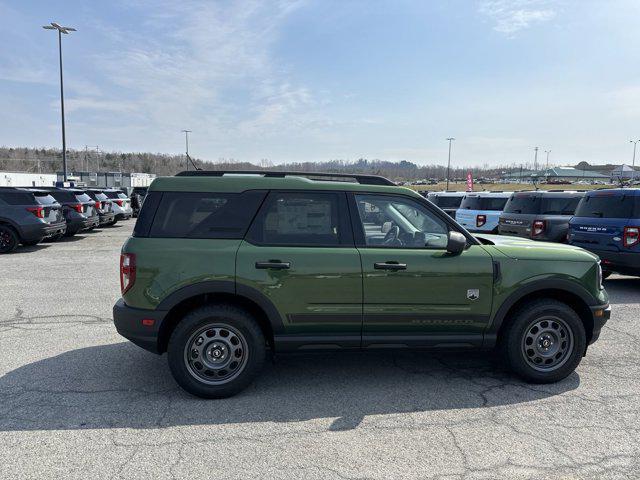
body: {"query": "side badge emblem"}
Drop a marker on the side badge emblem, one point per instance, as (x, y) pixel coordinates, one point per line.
(473, 293)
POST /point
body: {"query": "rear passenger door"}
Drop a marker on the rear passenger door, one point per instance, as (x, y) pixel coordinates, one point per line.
(299, 255)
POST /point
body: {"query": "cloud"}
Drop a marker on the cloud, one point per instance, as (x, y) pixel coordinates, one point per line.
(511, 16)
(209, 62)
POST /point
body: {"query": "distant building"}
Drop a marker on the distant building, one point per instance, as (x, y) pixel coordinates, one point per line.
(571, 174)
(23, 179)
(109, 179)
(624, 172)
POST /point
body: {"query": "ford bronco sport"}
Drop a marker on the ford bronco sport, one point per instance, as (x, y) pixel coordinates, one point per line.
(224, 266)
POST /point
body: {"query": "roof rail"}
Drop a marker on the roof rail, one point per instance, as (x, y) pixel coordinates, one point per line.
(362, 179)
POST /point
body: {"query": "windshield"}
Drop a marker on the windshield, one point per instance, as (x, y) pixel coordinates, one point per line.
(483, 203)
(606, 206)
(523, 203)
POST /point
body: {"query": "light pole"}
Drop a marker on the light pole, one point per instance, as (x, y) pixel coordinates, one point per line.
(535, 159)
(633, 163)
(186, 142)
(547, 152)
(450, 139)
(61, 30)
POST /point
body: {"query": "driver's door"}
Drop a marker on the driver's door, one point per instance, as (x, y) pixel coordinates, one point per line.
(414, 291)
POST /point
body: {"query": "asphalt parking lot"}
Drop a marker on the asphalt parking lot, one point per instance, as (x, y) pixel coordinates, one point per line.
(78, 401)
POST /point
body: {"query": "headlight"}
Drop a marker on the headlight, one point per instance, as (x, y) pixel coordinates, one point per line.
(599, 274)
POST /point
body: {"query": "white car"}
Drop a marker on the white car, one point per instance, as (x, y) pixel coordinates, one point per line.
(121, 204)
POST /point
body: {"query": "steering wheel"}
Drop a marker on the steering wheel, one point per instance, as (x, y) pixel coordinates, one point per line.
(391, 238)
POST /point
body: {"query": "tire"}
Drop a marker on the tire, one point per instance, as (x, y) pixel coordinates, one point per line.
(8, 239)
(544, 342)
(221, 335)
(71, 233)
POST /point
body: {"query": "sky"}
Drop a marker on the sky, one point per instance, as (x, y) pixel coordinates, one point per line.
(312, 80)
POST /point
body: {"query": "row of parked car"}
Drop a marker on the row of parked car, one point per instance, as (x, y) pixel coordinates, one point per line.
(605, 222)
(29, 215)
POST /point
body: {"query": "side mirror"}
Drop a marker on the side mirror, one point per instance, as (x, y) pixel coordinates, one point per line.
(456, 243)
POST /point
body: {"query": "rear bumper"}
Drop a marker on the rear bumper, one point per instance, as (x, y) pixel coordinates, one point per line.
(600, 313)
(79, 224)
(107, 218)
(31, 233)
(123, 216)
(128, 323)
(627, 263)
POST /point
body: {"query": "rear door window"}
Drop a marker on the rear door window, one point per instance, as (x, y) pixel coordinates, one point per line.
(301, 219)
(205, 215)
(606, 206)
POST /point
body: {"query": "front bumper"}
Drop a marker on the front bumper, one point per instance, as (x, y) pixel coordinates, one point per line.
(129, 324)
(600, 315)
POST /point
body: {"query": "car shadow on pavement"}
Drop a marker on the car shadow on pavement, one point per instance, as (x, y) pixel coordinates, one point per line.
(623, 290)
(31, 248)
(122, 386)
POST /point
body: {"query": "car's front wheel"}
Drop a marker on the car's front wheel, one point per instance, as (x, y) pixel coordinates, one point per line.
(544, 341)
(216, 351)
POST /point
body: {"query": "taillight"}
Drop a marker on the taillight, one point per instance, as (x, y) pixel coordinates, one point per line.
(119, 202)
(97, 205)
(37, 211)
(77, 207)
(631, 236)
(481, 220)
(538, 227)
(127, 271)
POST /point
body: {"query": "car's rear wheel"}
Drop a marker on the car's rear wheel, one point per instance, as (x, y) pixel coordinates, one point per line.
(544, 341)
(216, 351)
(8, 239)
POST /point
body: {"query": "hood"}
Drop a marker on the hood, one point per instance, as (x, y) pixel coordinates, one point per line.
(526, 249)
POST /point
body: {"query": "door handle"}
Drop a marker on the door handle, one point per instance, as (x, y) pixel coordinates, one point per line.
(389, 266)
(273, 265)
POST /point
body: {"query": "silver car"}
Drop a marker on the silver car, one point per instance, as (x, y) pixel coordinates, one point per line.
(121, 204)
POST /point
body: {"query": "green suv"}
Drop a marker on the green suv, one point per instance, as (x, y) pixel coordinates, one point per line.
(225, 266)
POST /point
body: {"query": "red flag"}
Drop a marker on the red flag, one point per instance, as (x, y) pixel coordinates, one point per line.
(469, 181)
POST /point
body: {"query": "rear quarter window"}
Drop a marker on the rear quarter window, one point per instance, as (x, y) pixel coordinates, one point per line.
(18, 198)
(202, 214)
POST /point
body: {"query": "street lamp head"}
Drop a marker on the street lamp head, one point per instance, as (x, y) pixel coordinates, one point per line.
(61, 29)
(451, 138)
